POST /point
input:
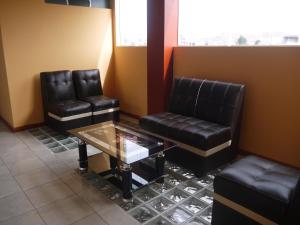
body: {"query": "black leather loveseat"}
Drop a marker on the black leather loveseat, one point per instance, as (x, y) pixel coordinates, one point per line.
(67, 106)
(203, 119)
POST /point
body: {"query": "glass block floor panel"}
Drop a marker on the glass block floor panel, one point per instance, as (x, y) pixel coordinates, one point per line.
(194, 205)
(176, 195)
(178, 215)
(183, 198)
(54, 141)
(204, 181)
(205, 196)
(207, 214)
(159, 221)
(161, 204)
(196, 221)
(190, 187)
(146, 194)
(143, 214)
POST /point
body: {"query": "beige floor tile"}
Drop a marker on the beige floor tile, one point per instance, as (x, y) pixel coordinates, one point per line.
(44, 154)
(8, 185)
(33, 143)
(29, 218)
(69, 157)
(114, 215)
(26, 165)
(14, 205)
(47, 193)
(93, 219)
(37, 171)
(8, 139)
(65, 211)
(76, 182)
(61, 169)
(8, 147)
(36, 177)
(4, 170)
(96, 199)
(20, 153)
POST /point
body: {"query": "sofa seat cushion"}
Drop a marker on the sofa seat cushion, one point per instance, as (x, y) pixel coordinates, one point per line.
(101, 102)
(188, 130)
(69, 108)
(260, 185)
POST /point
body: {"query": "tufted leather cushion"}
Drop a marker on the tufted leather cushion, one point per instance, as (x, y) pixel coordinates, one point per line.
(183, 97)
(57, 86)
(101, 102)
(69, 108)
(192, 131)
(260, 185)
(87, 83)
(218, 102)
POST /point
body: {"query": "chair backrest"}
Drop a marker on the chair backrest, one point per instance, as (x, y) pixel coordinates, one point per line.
(87, 83)
(183, 96)
(57, 86)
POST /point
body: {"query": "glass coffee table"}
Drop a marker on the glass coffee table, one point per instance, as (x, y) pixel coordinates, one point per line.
(127, 147)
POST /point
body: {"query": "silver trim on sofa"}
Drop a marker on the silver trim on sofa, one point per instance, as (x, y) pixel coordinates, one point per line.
(106, 111)
(198, 151)
(243, 210)
(68, 118)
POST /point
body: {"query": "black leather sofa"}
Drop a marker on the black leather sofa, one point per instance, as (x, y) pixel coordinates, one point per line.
(62, 110)
(256, 191)
(203, 119)
(67, 107)
(89, 89)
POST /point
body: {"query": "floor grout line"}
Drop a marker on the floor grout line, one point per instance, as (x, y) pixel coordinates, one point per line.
(129, 212)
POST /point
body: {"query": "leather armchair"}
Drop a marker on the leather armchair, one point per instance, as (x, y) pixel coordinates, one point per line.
(89, 89)
(203, 119)
(62, 111)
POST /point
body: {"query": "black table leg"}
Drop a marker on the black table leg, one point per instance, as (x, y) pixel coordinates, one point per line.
(126, 173)
(113, 164)
(160, 166)
(83, 158)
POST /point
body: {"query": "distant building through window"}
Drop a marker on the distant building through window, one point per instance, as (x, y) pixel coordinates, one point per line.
(238, 22)
(131, 22)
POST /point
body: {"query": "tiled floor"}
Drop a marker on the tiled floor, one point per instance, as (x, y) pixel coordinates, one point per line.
(39, 185)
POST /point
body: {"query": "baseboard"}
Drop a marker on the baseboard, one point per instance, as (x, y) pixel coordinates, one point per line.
(6, 123)
(245, 153)
(21, 128)
(130, 115)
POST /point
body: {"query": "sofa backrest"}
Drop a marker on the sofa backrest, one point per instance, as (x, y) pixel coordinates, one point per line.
(57, 86)
(219, 102)
(184, 96)
(87, 83)
(214, 101)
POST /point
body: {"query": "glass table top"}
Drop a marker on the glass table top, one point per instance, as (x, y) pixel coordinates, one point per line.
(122, 142)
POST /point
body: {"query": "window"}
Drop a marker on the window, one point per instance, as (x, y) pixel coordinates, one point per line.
(131, 22)
(239, 22)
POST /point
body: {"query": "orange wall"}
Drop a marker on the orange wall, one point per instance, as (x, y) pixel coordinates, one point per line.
(43, 37)
(5, 106)
(131, 79)
(271, 118)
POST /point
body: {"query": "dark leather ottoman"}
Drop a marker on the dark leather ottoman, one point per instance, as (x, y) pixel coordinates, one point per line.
(256, 191)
